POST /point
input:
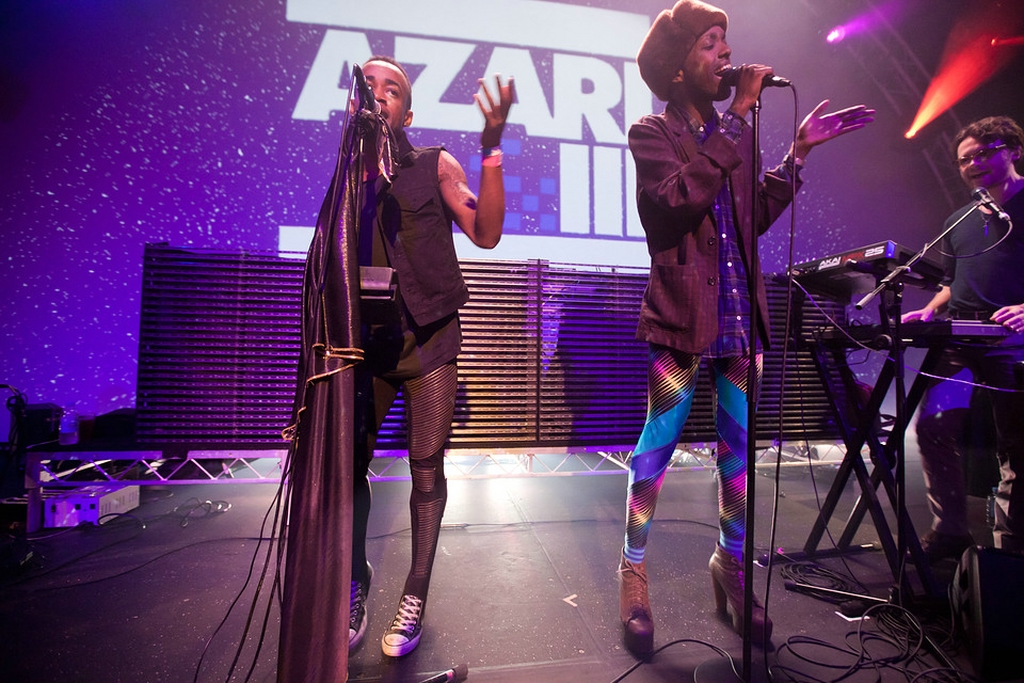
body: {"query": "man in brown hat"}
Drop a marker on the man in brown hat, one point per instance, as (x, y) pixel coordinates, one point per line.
(694, 195)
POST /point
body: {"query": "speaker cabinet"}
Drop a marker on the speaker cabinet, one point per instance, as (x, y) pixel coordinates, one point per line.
(988, 601)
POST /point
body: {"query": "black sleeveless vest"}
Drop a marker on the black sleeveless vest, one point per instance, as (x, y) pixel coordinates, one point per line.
(417, 233)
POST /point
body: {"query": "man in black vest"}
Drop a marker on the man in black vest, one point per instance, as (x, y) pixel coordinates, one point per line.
(412, 341)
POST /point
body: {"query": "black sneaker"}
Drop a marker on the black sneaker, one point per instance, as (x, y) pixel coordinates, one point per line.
(404, 634)
(938, 546)
(357, 609)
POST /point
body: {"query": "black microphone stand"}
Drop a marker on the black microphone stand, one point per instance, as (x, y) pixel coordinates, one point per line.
(752, 394)
(751, 454)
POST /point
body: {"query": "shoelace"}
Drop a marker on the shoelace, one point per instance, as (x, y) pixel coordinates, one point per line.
(356, 602)
(636, 588)
(730, 566)
(408, 614)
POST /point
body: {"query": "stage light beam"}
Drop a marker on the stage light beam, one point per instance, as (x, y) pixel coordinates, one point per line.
(973, 54)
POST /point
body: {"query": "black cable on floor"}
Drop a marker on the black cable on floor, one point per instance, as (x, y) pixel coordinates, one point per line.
(888, 642)
(638, 664)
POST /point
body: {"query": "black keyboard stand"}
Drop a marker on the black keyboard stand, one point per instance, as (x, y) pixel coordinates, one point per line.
(858, 415)
(859, 422)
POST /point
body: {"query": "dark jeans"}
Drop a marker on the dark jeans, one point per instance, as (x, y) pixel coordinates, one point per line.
(940, 425)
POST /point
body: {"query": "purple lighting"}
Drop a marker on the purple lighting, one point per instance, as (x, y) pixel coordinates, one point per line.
(836, 35)
(869, 21)
(857, 25)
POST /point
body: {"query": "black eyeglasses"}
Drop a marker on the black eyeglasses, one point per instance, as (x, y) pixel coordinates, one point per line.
(983, 154)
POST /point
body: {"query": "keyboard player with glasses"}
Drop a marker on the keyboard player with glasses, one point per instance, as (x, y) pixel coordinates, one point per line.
(983, 257)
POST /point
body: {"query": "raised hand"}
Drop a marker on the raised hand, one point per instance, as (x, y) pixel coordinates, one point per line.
(818, 127)
(495, 113)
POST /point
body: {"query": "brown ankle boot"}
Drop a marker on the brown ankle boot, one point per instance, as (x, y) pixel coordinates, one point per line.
(727, 579)
(635, 608)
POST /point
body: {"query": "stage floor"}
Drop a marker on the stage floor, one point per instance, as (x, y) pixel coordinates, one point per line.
(523, 587)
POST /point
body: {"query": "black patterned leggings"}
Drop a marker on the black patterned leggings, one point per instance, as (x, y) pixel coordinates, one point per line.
(430, 407)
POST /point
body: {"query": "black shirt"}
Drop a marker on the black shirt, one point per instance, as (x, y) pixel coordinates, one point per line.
(984, 282)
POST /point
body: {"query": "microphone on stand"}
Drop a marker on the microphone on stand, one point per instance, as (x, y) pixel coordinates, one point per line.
(366, 99)
(453, 675)
(983, 198)
(731, 74)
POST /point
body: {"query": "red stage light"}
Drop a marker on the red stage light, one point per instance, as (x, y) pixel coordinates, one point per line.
(1003, 42)
(973, 54)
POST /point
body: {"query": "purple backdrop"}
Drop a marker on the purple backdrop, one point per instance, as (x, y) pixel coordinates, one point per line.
(123, 123)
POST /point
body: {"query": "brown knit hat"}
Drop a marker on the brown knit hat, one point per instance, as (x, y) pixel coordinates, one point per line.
(670, 40)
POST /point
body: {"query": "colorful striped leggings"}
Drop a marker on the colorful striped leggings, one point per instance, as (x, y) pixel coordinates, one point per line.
(671, 383)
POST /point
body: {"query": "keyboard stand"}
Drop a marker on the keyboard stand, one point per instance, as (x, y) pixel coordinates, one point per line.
(860, 423)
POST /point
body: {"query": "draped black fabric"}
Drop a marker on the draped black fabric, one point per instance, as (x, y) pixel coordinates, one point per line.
(317, 524)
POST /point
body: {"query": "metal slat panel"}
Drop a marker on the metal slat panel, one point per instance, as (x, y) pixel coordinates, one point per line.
(219, 342)
(593, 369)
(549, 356)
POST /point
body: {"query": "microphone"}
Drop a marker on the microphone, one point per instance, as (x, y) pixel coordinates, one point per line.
(456, 673)
(983, 198)
(731, 74)
(366, 99)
